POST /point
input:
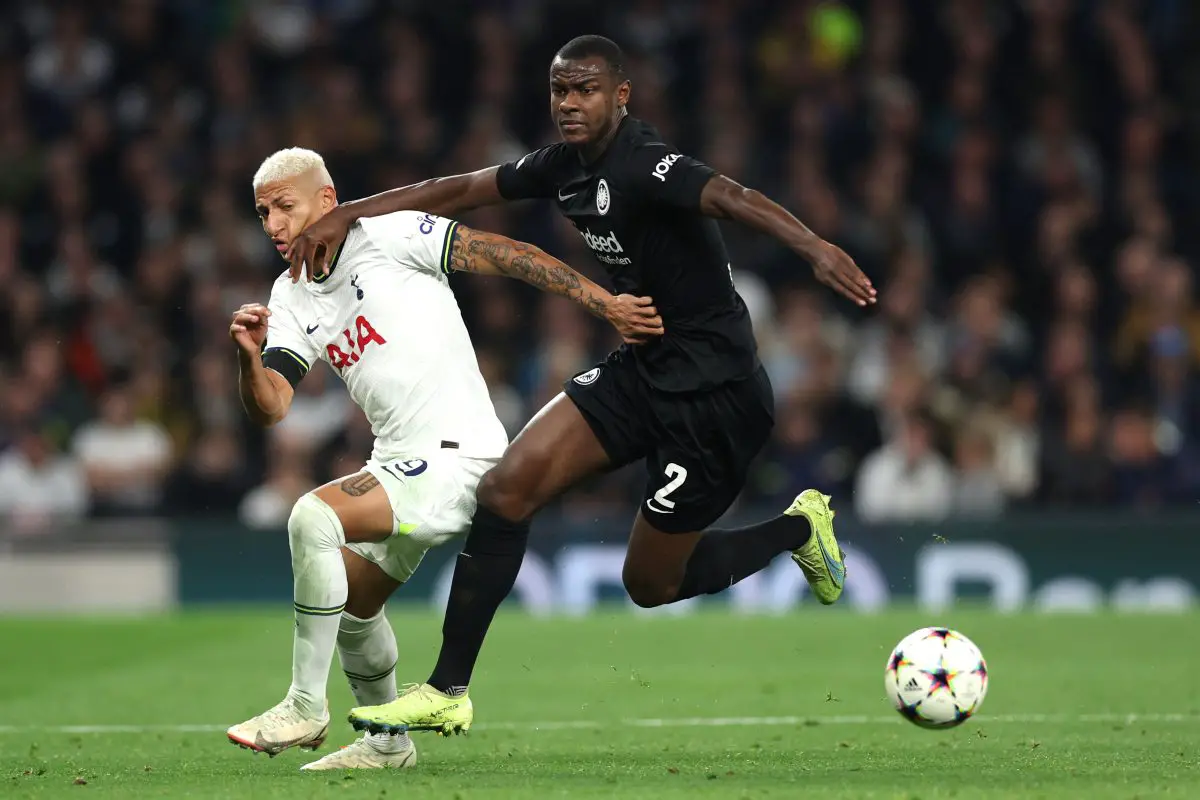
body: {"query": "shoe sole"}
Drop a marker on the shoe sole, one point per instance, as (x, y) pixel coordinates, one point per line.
(272, 752)
(443, 729)
(410, 760)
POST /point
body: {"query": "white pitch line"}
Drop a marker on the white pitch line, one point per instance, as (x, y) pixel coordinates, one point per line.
(678, 722)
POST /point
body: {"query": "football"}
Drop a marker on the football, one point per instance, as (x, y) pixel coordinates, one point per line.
(936, 678)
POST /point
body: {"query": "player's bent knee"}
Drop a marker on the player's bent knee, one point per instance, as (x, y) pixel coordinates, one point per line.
(648, 593)
(508, 489)
(313, 524)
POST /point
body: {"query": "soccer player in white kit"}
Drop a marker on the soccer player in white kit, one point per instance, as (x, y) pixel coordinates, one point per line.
(384, 318)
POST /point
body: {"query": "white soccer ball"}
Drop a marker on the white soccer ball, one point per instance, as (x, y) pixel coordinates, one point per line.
(936, 678)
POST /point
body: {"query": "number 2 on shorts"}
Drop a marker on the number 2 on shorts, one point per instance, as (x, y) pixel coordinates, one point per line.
(676, 475)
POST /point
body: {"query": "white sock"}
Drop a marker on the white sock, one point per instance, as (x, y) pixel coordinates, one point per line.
(316, 538)
(367, 650)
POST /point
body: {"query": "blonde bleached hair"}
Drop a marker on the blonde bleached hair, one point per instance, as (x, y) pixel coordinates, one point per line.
(290, 163)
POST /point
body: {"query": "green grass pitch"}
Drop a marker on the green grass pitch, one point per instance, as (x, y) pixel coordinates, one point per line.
(618, 705)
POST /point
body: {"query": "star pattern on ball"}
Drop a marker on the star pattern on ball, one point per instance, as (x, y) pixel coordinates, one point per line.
(938, 679)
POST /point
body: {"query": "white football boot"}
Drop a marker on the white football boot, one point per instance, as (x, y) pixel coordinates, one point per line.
(361, 754)
(279, 728)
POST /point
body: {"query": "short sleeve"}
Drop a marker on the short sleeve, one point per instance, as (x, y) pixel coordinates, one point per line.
(659, 173)
(415, 239)
(289, 350)
(532, 175)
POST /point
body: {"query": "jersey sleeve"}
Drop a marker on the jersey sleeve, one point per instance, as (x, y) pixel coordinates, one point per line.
(415, 239)
(659, 173)
(288, 349)
(531, 176)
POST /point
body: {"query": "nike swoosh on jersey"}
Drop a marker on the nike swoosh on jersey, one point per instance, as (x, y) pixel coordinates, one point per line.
(565, 197)
(312, 330)
(650, 505)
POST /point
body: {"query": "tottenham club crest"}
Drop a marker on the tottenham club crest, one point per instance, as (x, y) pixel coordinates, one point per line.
(602, 197)
(584, 378)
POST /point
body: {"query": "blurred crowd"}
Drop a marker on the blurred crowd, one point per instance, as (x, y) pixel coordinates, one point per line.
(1015, 176)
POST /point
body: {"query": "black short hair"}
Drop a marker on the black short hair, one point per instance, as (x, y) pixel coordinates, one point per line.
(593, 46)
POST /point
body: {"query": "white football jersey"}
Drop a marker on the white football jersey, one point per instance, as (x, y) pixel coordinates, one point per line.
(385, 319)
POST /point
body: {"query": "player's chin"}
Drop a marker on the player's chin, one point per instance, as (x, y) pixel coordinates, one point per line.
(574, 133)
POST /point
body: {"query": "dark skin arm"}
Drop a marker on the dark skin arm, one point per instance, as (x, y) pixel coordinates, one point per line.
(483, 253)
(311, 250)
(723, 198)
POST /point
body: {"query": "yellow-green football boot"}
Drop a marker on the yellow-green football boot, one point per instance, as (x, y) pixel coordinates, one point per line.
(420, 707)
(820, 558)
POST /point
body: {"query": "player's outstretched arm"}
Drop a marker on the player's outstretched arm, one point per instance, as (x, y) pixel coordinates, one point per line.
(311, 250)
(723, 198)
(266, 395)
(635, 318)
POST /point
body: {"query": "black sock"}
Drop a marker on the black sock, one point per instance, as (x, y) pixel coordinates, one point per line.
(722, 558)
(483, 576)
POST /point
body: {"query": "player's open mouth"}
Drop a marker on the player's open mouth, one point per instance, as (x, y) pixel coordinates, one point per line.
(281, 246)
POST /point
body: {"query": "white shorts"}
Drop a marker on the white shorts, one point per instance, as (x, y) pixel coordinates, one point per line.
(433, 500)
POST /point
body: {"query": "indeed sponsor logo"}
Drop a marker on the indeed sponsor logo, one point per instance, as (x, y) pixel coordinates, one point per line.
(602, 246)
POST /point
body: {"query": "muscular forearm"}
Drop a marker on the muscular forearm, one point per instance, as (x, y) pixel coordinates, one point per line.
(490, 254)
(726, 199)
(261, 399)
(445, 197)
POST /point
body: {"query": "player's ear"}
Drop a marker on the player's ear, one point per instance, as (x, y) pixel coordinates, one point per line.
(328, 198)
(623, 90)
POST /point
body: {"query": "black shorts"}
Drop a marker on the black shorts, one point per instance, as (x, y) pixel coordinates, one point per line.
(698, 446)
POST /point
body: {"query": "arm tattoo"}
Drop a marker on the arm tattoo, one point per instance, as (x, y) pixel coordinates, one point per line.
(473, 250)
(360, 484)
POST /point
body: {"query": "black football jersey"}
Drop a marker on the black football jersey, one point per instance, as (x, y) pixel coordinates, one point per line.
(638, 210)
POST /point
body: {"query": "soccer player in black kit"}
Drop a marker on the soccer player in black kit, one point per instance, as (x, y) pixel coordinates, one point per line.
(695, 402)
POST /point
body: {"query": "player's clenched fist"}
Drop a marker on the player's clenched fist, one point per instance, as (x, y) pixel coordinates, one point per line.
(249, 327)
